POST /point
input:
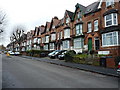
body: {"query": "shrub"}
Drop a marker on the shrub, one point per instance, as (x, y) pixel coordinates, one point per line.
(69, 56)
(37, 53)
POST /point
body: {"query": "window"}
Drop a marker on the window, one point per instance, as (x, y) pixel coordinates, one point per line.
(78, 29)
(52, 46)
(38, 40)
(53, 27)
(66, 44)
(67, 20)
(110, 39)
(89, 27)
(47, 29)
(111, 19)
(58, 36)
(96, 25)
(78, 43)
(53, 36)
(46, 47)
(109, 2)
(35, 40)
(47, 39)
(67, 33)
(79, 15)
(43, 40)
(61, 35)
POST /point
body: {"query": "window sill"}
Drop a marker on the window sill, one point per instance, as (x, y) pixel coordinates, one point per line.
(110, 45)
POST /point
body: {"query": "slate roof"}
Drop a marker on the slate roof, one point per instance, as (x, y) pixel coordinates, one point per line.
(70, 14)
(92, 7)
(83, 8)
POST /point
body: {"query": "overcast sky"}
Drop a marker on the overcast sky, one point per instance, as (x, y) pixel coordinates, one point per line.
(31, 13)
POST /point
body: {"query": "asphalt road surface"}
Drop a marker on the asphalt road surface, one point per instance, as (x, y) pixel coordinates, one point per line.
(20, 72)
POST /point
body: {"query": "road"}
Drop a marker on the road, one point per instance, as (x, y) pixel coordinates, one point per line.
(20, 72)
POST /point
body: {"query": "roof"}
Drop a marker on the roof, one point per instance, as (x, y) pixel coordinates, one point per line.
(92, 7)
(42, 28)
(70, 14)
(83, 8)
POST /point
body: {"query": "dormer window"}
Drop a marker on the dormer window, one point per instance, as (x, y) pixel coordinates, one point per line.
(47, 29)
(67, 20)
(109, 2)
(79, 15)
(53, 27)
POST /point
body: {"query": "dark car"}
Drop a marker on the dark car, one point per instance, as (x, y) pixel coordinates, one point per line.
(62, 55)
(55, 53)
(118, 70)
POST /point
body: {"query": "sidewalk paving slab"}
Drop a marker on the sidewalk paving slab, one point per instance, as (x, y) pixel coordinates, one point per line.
(95, 69)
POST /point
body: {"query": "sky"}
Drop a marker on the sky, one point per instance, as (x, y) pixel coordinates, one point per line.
(32, 13)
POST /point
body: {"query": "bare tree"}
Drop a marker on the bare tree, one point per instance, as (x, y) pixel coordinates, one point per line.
(18, 32)
(2, 20)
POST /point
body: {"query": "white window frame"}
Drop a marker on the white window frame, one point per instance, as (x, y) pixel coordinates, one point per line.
(80, 29)
(67, 20)
(66, 44)
(113, 21)
(109, 3)
(53, 36)
(89, 27)
(39, 41)
(96, 25)
(105, 39)
(46, 47)
(78, 43)
(46, 39)
(67, 33)
(52, 46)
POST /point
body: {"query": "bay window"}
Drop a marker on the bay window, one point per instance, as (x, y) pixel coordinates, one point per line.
(46, 47)
(66, 44)
(52, 46)
(78, 43)
(53, 36)
(110, 39)
(47, 39)
(111, 19)
(35, 40)
(38, 40)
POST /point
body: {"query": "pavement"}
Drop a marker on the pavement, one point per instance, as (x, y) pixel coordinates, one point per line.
(90, 68)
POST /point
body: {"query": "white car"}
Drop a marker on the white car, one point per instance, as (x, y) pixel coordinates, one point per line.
(11, 52)
(17, 53)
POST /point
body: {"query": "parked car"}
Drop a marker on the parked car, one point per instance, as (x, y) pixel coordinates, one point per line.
(11, 52)
(62, 55)
(56, 53)
(16, 53)
(49, 55)
(118, 70)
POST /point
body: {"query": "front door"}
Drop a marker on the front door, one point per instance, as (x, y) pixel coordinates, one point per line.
(89, 44)
(97, 43)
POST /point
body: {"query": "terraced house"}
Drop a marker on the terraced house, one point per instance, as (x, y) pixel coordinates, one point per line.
(93, 27)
